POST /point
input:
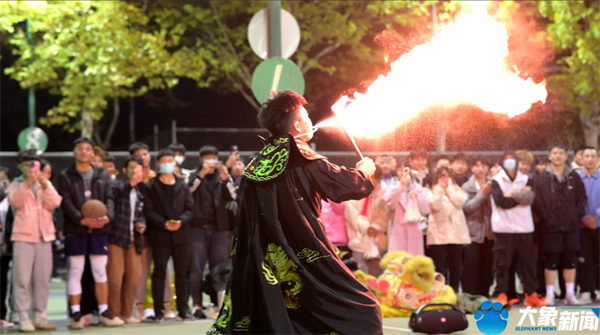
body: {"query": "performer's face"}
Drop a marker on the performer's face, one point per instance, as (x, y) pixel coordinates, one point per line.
(303, 126)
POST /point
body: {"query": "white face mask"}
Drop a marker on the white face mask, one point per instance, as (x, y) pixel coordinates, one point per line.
(179, 159)
(167, 168)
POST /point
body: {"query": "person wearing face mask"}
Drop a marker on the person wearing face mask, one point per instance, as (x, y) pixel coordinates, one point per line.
(561, 206)
(286, 275)
(179, 151)
(212, 188)
(168, 208)
(512, 224)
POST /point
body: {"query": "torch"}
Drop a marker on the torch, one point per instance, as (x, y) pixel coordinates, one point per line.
(337, 108)
(354, 145)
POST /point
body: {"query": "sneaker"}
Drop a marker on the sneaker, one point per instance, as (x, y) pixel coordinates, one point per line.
(550, 300)
(44, 324)
(502, 298)
(585, 298)
(534, 301)
(107, 321)
(26, 326)
(76, 321)
(158, 319)
(131, 321)
(572, 300)
(6, 324)
(199, 315)
(170, 315)
(139, 313)
(597, 296)
(186, 317)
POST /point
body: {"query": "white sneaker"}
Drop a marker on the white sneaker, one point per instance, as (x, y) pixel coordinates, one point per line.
(26, 326)
(585, 298)
(550, 300)
(571, 300)
(598, 296)
(77, 321)
(106, 321)
(132, 321)
(170, 315)
(6, 324)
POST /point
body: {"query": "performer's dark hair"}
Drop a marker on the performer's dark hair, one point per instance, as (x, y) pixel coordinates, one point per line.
(275, 116)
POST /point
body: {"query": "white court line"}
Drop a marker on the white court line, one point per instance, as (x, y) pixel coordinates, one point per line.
(400, 329)
(275, 83)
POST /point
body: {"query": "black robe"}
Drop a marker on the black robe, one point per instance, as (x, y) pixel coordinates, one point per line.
(287, 277)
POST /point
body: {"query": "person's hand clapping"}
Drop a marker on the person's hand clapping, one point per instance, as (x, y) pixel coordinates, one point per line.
(367, 166)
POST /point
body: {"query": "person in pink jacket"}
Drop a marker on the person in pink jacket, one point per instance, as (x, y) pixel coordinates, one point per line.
(401, 197)
(333, 216)
(33, 198)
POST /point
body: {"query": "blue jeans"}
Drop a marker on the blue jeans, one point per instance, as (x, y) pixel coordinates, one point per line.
(210, 245)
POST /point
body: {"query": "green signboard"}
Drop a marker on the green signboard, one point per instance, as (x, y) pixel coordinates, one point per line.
(276, 75)
(33, 138)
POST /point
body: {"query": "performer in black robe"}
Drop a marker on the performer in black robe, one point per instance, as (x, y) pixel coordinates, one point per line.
(286, 276)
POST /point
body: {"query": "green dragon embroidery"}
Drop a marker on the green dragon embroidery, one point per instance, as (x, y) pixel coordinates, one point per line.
(279, 269)
(242, 326)
(270, 163)
(225, 316)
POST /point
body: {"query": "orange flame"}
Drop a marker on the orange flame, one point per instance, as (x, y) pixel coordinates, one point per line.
(463, 63)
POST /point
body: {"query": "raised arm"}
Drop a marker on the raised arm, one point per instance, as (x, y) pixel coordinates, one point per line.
(338, 183)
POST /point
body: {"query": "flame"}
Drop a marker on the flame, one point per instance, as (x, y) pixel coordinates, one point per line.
(463, 63)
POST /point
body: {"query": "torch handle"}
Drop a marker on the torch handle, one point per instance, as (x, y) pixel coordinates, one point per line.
(354, 145)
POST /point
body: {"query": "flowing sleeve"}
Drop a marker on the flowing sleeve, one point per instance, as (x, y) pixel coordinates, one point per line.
(338, 183)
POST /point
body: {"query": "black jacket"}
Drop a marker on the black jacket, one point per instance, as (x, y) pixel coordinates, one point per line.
(72, 190)
(560, 206)
(120, 233)
(158, 210)
(222, 196)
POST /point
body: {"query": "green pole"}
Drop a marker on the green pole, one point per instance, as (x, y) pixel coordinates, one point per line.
(31, 89)
(275, 29)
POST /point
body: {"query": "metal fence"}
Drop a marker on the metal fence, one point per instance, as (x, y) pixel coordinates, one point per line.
(62, 160)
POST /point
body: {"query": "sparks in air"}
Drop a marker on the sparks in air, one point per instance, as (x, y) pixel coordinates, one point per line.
(463, 63)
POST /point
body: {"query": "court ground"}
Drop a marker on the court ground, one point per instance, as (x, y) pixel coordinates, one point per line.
(392, 326)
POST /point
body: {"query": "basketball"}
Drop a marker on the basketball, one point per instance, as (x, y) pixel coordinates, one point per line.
(93, 209)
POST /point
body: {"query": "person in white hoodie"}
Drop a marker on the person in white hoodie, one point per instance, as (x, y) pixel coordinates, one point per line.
(512, 224)
(448, 231)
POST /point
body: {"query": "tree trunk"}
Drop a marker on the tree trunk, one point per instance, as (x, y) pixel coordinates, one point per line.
(113, 123)
(591, 125)
(131, 120)
(87, 123)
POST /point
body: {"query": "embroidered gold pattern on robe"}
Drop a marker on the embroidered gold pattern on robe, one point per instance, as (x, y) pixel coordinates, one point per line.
(310, 255)
(279, 269)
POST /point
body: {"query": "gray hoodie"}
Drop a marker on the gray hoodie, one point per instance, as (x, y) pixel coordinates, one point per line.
(478, 210)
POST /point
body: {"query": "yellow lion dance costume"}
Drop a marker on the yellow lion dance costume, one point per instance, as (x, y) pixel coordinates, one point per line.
(407, 283)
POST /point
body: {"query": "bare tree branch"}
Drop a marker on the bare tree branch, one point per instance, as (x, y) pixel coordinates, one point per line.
(320, 55)
(226, 37)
